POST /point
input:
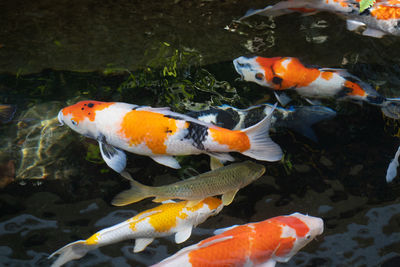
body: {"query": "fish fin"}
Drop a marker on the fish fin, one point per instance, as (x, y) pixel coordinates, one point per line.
(373, 33)
(228, 197)
(161, 199)
(282, 98)
(354, 25)
(391, 172)
(223, 157)
(136, 193)
(313, 102)
(141, 244)
(303, 117)
(261, 145)
(192, 203)
(341, 72)
(223, 230)
(126, 175)
(215, 163)
(7, 113)
(72, 251)
(276, 10)
(391, 108)
(114, 157)
(148, 108)
(183, 235)
(269, 263)
(168, 201)
(168, 161)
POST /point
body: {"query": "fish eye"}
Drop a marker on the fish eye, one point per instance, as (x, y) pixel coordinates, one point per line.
(74, 122)
(259, 76)
(308, 237)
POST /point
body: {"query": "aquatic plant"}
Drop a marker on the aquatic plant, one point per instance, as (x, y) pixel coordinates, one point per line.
(364, 4)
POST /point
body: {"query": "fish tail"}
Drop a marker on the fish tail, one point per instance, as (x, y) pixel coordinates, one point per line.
(302, 118)
(136, 193)
(261, 145)
(7, 113)
(72, 251)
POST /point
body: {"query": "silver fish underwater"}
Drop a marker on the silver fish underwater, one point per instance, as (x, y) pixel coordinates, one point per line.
(383, 18)
(225, 181)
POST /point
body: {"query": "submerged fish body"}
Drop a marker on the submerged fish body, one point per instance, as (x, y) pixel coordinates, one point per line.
(288, 73)
(376, 21)
(225, 181)
(299, 119)
(254, 244)
(161, 134)
(164, 220)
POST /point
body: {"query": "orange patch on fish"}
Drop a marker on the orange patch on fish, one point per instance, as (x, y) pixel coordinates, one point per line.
(136, 127)
(267, 64)
(295, 74)
(383, 12)
(235, 140)
(293, 222)
(165, 217)
(356, 89)
(327, 75)
(85, 109)
(93, 240)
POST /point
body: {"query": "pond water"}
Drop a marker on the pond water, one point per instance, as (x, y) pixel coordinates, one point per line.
(56, 189)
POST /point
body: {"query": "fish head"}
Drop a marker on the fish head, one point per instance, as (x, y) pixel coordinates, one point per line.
(256, 69)
(252, 170)
(81, 117)
(302, 228)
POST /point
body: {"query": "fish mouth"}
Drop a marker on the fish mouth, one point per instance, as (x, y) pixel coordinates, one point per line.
(238, 67)
(60, 118)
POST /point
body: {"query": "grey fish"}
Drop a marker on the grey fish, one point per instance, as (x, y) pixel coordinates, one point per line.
(299, 119)
(225, 181)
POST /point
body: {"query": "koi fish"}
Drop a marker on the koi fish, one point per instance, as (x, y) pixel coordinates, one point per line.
(164, 220)
(160, 134)
(299, 119)
(225, 181)
(391, 171)
(6, 113)
(288, 73)
(254, 244)
(376, 21)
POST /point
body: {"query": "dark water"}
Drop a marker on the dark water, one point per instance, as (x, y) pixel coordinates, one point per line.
(57, 190)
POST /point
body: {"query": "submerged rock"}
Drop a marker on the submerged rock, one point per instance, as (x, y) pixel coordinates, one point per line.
(43, 145)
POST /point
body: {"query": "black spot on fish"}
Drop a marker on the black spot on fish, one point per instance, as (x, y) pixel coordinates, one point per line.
(174, 117)
(85, 104)
(397, 25)
(228, 118)
(89, 113)
(344, 92)
(375, 99)
(168, 130)
(82, 108)
(366, 12)
(197, 133)
(90, 105)
(253, 116)
(277, 80)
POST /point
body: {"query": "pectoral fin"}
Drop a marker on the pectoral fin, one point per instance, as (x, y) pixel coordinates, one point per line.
(215, 163)
(373, 33)
(282, 98)
(354, 25)
(183, 235)
(228, 197)
(114, 157)
(168, 161)
(270, 263)
(141, 244)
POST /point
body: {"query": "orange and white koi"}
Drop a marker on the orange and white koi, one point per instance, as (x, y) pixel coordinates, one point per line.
(164, 220)
(161, 134)
(376, 21)
(288, 73)
(254, 244)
